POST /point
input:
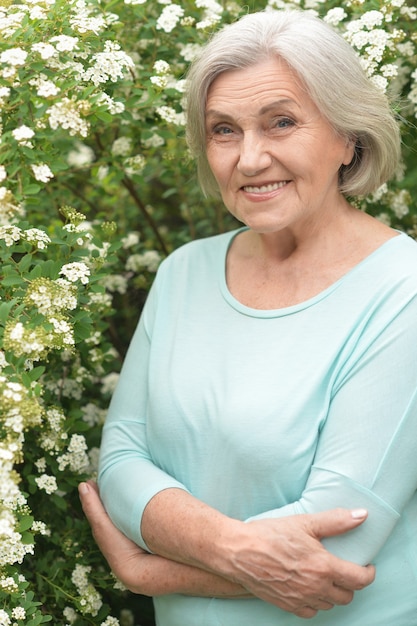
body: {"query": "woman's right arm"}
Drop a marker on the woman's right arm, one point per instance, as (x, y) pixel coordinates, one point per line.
(144, 573)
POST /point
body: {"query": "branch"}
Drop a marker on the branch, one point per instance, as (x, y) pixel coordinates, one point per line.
(128, 184)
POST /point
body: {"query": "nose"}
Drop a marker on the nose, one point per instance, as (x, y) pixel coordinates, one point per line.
(254, 156)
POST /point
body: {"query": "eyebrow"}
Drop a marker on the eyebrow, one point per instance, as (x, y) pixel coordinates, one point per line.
(262, 111)
(277, 103)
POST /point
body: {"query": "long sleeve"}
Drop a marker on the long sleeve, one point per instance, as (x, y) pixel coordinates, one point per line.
(128, 476)
(367, 455)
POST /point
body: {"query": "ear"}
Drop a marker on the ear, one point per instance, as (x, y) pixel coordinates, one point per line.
(349, 150)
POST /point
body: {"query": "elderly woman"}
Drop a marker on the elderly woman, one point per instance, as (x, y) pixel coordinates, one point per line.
(273, 374)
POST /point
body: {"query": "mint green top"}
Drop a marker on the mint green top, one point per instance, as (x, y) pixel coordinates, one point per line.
(269, 413)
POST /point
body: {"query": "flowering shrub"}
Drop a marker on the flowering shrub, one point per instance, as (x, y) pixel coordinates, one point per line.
(96, 186)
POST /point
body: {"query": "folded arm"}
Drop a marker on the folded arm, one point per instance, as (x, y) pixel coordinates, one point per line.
(144, 573)
(280, 561)
(366, 453)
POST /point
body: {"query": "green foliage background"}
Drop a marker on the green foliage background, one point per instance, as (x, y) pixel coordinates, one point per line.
(105, 117)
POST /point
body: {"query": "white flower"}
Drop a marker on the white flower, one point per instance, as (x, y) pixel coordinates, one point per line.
(23, 133)
(102, 172)
(70, 615)
(47, 483)
(81, 157)
(64, 43)
(115, 283)
(212, 14)
(114, 106)
(109, 383)
(335, 16)
(121, 146)
(110, 621)
(76, 456)
(161, 67)
(370, 19)
(3, 361)
(154, 141)
(3, 173)
(150, 260)
(84, 22)
(41, 528)
(389, 70)
(93, 415)
(159, 81)
(135, 164)
(90, 598)
(169, 18)
(167, 113)
(108, 65)
(13, 56)
(380, 82)
(400, 203)
(10, 234)
(76, 271)
(130, 240)
(4, 92)
(10, 22)
(46, 50)
(41, 464)
(65, 114)
(135, 1)
(37, 237)
(18, 613)
(4, 618)
(44, 87)
(42, 172)
(189, 51)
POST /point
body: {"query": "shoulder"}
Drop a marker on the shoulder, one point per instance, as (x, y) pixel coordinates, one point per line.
(198, 253)
(398, 257)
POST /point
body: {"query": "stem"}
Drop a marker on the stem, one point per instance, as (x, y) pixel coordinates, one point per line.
(57, 587)
(128, 184)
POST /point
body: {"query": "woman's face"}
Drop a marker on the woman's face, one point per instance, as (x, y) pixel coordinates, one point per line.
(274, 156)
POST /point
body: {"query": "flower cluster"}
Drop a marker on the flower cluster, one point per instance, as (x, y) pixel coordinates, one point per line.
(90, 600)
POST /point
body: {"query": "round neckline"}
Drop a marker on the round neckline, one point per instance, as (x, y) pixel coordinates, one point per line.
(289, 310)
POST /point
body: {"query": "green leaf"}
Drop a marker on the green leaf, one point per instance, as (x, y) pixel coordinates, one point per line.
(5, 308)
(25, 263)
(32, 189)
(12, 279)
(27, 538)
(25, 523)
(36, 271)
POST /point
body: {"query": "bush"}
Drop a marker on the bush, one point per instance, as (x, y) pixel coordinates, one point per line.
(96, 187)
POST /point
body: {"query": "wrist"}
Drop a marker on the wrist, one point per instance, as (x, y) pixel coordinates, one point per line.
(223, 558)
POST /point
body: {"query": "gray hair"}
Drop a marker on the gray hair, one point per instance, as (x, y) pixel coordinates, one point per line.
(330, 71)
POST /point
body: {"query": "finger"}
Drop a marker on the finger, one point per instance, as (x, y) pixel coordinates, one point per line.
(336, 521)
(104, 532)
(339, 596)
(306, 612)
(353, 579)
(91, 503)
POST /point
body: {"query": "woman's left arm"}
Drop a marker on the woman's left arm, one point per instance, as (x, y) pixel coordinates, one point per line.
(366, 455)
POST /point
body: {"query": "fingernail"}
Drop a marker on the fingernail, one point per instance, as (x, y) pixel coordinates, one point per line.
(359, 513)
(83, 488)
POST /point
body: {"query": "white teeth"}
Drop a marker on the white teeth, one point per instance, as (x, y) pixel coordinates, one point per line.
(265, 188)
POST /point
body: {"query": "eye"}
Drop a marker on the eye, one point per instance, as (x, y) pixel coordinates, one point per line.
(283, 123)
(222, 130)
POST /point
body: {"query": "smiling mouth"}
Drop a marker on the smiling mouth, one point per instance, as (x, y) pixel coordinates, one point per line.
(265, 188)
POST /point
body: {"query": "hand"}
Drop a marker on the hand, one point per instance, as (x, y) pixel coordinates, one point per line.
(126, 560)
(282, 561)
